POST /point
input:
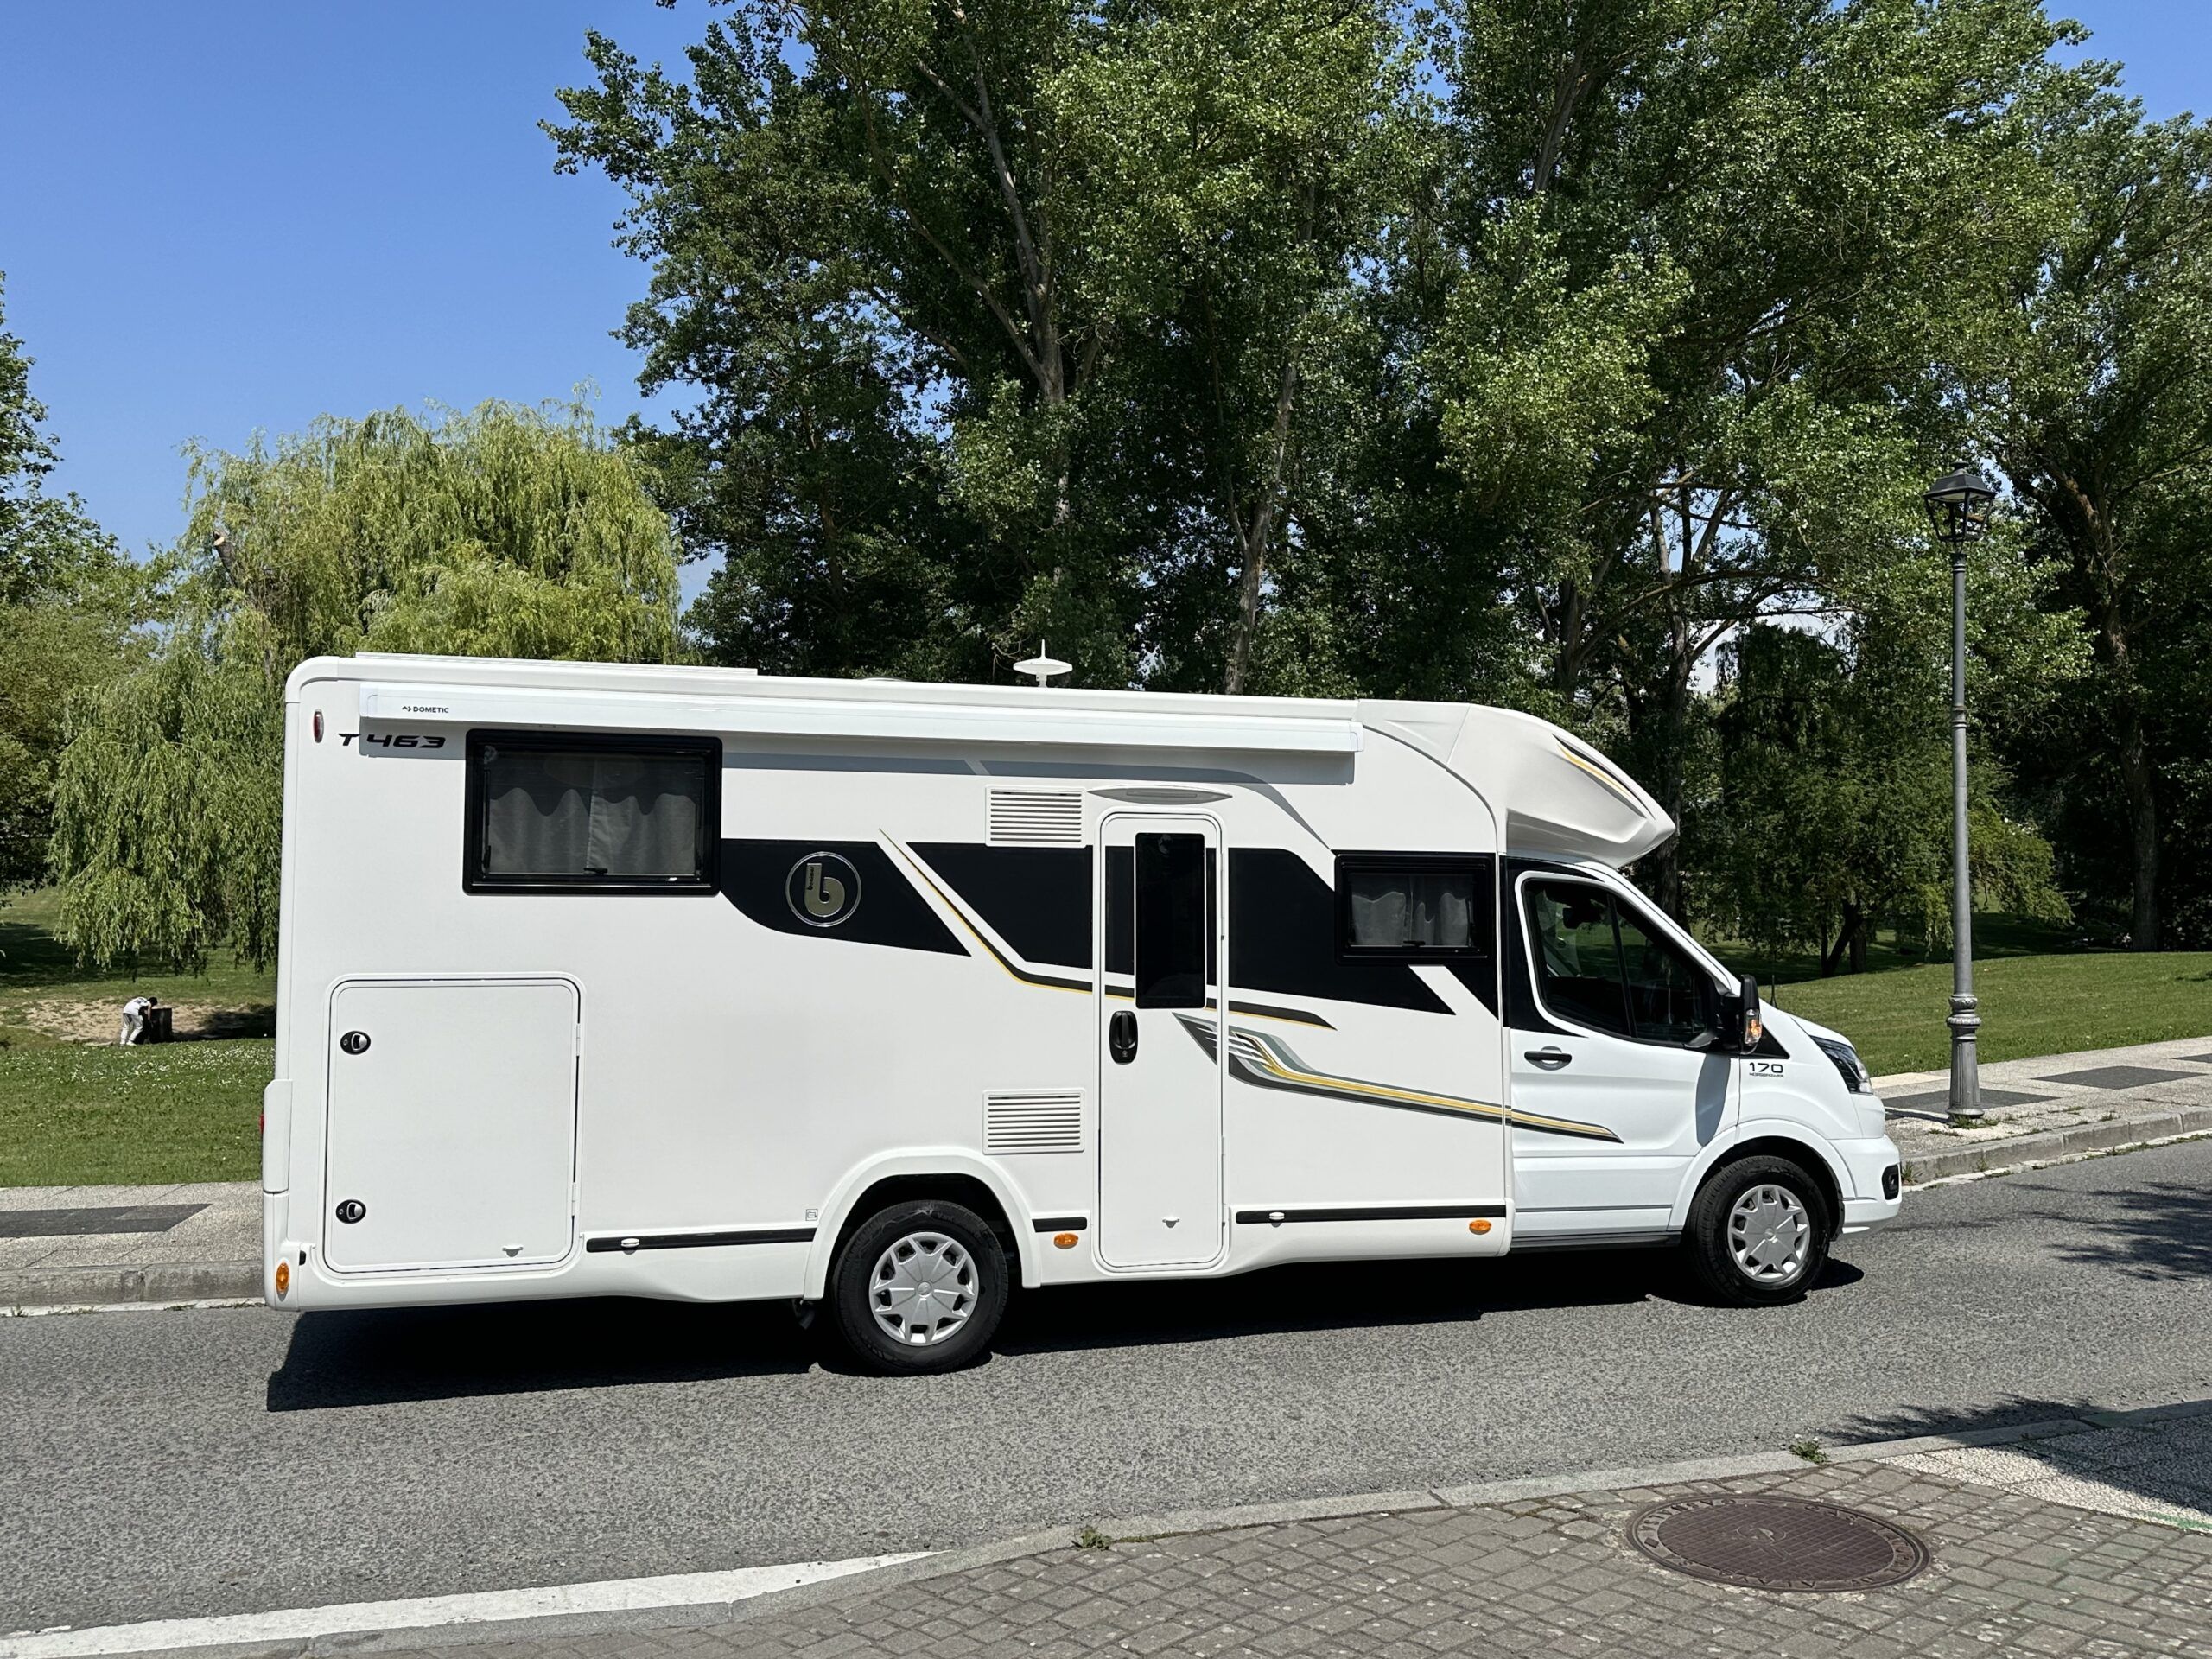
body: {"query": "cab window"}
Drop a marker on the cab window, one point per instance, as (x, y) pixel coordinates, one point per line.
(1598, 964)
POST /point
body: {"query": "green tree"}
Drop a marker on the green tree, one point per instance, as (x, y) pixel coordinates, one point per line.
(2102, 422)
(67, 600)
(1715, 255)
(1835, 797)
(1009, 321)
(503, 532)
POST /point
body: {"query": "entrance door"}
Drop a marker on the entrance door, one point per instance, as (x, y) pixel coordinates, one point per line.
(452, 1118)
(1160, 1040)
(1618, 1086)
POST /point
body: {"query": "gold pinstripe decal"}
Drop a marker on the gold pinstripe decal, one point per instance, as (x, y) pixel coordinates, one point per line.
(1264, 1059)
(1612, 785)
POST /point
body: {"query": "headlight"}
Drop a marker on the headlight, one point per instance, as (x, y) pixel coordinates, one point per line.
(1855, 1075)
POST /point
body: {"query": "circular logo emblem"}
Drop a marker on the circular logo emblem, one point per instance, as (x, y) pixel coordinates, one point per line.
(824, 889)
(355, 1042)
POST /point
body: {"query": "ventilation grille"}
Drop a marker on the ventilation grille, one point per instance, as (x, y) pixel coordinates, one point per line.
(1033, 818)
(1050, 1121)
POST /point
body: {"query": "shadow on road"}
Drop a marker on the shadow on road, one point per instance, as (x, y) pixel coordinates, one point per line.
(1325, 1296)
(2165, 1464)
(385, 1355)
(388, 1356)
(2159, 1231)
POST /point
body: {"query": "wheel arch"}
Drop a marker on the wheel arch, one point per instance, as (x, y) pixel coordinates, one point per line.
(1775, 1141)
(956, 1176)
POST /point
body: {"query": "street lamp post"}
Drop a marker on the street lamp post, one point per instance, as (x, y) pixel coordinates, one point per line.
(1958, 507)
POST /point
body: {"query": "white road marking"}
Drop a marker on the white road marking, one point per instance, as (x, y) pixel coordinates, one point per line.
(422, 1612)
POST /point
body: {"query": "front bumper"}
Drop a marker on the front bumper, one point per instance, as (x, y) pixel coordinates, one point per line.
(1872, 1195)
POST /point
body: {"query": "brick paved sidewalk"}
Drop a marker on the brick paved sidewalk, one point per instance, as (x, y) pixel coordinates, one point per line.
(2011, 1573)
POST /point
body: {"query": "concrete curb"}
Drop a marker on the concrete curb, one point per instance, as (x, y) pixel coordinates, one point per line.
(1183, 1523)
(2055, 1147)
(158, 1284)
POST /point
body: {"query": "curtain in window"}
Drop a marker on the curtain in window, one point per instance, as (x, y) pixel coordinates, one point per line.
(554, 813)
(1396, 909)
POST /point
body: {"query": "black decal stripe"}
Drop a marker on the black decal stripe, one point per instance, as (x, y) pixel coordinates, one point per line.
(1407, 1212)
(1025, 975)
(1060, 1223)
(1037, 898)
(1266, 1011)
(755, 874)
(1478, 975)
(698, 1240)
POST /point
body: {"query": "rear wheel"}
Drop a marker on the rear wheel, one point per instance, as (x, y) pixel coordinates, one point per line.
(919, 1287)
(1758, 1232)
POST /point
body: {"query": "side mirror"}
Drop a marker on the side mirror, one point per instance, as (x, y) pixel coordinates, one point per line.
(1750, 1025)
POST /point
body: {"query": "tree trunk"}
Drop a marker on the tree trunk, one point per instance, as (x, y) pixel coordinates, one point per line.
(2138, 781)
(1255, 537)
(2138, 777)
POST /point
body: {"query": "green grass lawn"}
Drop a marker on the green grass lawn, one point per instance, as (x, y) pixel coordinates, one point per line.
(72, 1115)
(2040, 995)
(74, 1112)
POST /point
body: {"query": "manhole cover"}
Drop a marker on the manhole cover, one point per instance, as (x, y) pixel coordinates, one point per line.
(1767, 1542)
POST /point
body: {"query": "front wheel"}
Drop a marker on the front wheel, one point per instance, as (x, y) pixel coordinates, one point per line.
(919, 1287)
(1757, 1233)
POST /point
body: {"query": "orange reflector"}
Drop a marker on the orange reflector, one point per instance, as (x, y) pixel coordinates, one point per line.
(1066, 1241)
(1478, 1227)
(283, 1277)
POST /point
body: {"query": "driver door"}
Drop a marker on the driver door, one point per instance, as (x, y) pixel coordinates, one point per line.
(1616, 1085)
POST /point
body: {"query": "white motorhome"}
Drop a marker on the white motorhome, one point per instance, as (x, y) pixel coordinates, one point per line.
(699, 984)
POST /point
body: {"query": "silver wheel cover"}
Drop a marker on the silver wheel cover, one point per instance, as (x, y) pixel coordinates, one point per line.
(1770, 1235)
(923, 1289)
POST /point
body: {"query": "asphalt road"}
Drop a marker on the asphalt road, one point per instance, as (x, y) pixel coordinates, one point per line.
(171, 1464)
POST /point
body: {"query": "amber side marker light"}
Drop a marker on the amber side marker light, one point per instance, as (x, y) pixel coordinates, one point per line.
(283, 1277)
(1478, 1227)
(1064, 1241)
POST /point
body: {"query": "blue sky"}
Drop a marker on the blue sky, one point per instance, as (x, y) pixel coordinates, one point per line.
(225, 216)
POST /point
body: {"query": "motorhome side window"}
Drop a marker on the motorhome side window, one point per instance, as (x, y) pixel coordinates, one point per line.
(1599, 964)
(1413, 909)
(556, 812)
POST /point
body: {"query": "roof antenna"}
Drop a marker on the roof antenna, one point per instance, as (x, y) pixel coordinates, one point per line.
(1044, 668)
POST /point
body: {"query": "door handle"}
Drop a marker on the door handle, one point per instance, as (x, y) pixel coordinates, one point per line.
(1550, 1059)
(1122, 1036)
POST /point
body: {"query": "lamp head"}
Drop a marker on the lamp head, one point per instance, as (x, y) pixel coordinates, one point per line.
(1958, 505)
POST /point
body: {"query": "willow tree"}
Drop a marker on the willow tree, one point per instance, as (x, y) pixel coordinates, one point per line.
(505, 532)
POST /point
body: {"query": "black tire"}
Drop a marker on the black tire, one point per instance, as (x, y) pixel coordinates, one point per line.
(970, 1287)
(1708, 1243)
